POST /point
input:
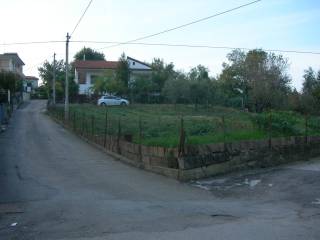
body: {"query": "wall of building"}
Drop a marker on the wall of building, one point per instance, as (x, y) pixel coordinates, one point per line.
(6, 64)
(134, 65)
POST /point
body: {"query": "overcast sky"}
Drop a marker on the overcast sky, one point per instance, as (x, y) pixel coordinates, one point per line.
(269, 24)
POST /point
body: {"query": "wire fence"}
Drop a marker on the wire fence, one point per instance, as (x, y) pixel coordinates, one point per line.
(5, 112)
(6, 108)
(99, 123)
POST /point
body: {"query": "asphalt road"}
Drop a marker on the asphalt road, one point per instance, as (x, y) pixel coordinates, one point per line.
(55, 186)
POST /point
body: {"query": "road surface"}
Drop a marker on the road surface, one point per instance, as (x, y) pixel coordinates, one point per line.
(53, 185)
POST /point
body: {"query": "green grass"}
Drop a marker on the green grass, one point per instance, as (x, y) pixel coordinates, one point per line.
(160, 124)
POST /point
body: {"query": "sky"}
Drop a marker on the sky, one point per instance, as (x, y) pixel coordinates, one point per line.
(269, 24)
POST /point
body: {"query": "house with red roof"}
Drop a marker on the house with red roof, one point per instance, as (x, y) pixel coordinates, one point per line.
(86, 72)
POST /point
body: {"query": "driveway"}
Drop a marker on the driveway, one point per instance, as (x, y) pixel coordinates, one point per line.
(53, 185)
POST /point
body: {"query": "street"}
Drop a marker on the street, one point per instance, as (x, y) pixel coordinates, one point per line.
(54, 185)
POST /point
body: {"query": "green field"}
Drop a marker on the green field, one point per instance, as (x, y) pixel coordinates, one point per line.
(159, 125)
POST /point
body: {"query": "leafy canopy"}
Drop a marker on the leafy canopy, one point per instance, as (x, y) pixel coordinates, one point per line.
(89, 54)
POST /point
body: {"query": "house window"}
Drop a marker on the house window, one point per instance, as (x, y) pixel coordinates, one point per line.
(94, 78)
(133, 63)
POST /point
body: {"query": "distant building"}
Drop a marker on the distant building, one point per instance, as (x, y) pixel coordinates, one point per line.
(86, 72)
(30, 84)
(11, 62)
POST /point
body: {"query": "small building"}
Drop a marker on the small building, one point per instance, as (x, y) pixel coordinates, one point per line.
(87, 71)
(30, 84)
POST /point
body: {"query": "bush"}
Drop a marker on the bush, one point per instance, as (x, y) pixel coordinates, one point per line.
(280, 123)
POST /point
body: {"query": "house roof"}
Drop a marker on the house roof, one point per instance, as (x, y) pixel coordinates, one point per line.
(101, 64)
(143, 63)
(31, 78)
(13, 56)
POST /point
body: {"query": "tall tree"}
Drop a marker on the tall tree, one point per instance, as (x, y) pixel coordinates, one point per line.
(161, 72)
(46, 74)
(177, 89)
(199, 85)
(261, 77)
(311, 91)
(122, 75)
(141, 89)
(89, 54)
(103, 84)
(311, 82)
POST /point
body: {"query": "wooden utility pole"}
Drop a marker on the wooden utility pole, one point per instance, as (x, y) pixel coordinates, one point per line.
(54, 80)
(66, 100)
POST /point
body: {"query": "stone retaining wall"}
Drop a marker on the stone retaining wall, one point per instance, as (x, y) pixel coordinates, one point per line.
(208, 160)
(200, 161)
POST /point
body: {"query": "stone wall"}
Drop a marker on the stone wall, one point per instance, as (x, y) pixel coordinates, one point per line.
(147, 155)
(208, 160)
(200, 161)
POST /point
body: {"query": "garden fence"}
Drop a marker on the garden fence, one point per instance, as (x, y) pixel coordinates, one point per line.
(177, 131)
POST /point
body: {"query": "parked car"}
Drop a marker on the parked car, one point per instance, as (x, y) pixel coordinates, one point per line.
(112, 100)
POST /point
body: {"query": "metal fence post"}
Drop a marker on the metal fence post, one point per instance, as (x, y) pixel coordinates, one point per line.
(92, 128)
(224, 131)
(69, 119)
(306, 129)
(105, 129)
(86, 127)
(119, 136)
(270, 130)
(159, 126)
(140, 137)
(82, 124)
(74, 121)
(182, 138)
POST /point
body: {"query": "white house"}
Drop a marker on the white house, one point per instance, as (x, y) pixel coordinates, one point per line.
(87, 71)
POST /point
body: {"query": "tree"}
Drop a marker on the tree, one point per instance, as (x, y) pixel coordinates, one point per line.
(89, 54)
(311, 81)
(177, 89)
(311, 91)
(259, 77)
(141, 88)
(10, 81)
(161, 72)
(122, 75)
(46, 74)
(106, 83)
(199, 85)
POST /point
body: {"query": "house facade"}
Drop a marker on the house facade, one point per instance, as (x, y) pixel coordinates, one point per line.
(86, 72)
(11, 62)
(30, 84)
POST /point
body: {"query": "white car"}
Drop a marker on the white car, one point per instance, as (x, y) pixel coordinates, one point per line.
(112, 100)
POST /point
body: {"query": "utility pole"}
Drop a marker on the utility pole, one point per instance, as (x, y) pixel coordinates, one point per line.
(54, 80)
(66, 100)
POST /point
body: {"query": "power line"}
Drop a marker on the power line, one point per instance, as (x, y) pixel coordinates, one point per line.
(32, 42)
(185, 25)
(81, 17)
(200, 46)
(164, 45)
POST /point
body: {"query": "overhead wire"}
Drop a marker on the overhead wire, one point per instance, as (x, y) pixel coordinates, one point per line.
(80, 19)
(164, 45)
(186, 24)
(200, 46)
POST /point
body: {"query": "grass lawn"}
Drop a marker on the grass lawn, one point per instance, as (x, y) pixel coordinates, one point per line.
(159, 125)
